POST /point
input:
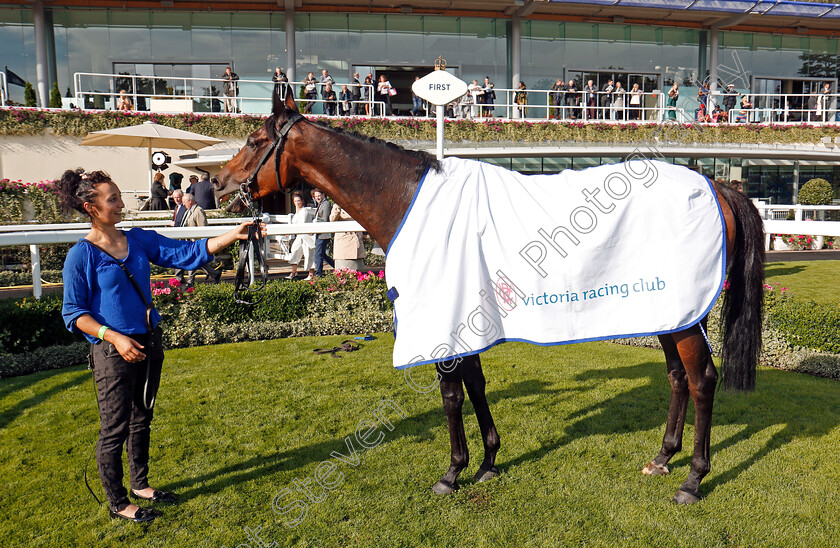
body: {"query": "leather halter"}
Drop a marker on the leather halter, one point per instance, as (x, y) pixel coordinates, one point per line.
(277, 148)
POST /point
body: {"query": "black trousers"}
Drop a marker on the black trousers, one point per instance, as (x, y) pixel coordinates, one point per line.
(123, 417)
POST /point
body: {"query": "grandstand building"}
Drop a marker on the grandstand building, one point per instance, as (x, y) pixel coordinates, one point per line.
(780, 52)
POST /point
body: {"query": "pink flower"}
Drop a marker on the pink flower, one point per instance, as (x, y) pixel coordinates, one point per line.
(174, 282)
(156, 292)
(190, 289)
(166, 291)
(381, 274)
(725, 284)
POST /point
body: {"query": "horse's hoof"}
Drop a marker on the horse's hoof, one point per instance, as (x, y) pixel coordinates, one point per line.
(484, 474)
(655, 469)
(684, 497)
(444, 488)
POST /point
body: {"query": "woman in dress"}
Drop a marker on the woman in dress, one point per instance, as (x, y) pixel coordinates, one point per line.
(635, 102)
(673, 95)
(521, 99)
(159, 194)
(107, 298)
(303, 246)
(618, 102)
(384, 89)
(124, 103)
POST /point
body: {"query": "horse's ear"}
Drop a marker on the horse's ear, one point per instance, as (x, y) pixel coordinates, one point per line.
(280, 104)
(291, 104)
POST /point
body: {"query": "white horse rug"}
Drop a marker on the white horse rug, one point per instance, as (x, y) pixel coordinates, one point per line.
(485, 255)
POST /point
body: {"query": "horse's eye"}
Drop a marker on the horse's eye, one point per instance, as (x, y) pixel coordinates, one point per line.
(250, 143)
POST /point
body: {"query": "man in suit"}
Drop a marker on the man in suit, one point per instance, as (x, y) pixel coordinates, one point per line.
(180, 210)
(195, 216)
(322, 215)
(203, 192)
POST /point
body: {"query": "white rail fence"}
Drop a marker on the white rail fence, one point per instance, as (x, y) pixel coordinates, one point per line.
(278, 227)
(99, 91)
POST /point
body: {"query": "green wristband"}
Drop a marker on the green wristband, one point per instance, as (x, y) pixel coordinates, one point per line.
(102, 331)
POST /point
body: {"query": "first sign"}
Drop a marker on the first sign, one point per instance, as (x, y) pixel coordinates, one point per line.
(439, 87)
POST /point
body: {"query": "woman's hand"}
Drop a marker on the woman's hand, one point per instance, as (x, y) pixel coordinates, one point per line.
(129, 349)
(214, 245)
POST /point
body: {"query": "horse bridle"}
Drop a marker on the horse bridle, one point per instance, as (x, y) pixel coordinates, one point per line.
(276, 148)
(255, 241)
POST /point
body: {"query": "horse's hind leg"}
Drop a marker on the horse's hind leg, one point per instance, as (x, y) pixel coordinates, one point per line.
(475, 385)
(702, 380)
(672, 441)
(452, 392)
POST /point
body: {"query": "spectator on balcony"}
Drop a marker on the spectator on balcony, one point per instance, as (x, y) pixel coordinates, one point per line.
(230, 89)
(123, 102)
(279, 78)
(590, 97)
(703, 94)
(310, 90)
(326, 80)
(606, 99)
(823, 103)
(729, 97)
(386, 91)
(635, 103)
(572, 100)
(673, 96)
(521, 99)
(330, 100)
(345, 101)
(746, 105)
(416, 101)
(619, 101)
(476, 94)
(558, 90)
(356, 93)
(718, 115)
(489, 97)
(366, 93)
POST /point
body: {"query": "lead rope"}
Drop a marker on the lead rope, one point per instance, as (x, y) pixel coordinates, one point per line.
(243, 293)
(709, 344)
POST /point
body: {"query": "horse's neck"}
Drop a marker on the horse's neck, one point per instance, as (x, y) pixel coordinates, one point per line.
(373, 183)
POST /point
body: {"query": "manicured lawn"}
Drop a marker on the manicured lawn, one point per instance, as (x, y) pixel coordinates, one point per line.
(238, 424)
(810, 280)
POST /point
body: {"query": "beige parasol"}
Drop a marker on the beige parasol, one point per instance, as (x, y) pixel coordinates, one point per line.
(149, 135)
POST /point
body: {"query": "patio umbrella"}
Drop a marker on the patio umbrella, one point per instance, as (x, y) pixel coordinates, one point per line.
(149, 135)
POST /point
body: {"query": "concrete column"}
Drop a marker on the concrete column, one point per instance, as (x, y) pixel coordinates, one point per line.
(714, 42)
(291, 57)
(43, 85)
(516, 56)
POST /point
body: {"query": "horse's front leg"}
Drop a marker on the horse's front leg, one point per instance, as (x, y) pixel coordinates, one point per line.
(475, 384)
(672, 441)
(452, 391)
(702, 380)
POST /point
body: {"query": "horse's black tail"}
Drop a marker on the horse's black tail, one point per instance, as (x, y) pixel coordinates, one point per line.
(744, 299)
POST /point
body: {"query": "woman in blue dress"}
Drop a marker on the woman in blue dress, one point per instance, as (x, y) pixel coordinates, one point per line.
(108, 299)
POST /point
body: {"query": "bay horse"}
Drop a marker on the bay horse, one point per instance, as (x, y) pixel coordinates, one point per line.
(375, 183)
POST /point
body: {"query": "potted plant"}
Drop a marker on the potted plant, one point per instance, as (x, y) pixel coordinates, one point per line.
(816, 192)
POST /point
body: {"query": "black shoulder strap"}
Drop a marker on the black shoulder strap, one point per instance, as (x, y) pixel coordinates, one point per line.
(149, 305)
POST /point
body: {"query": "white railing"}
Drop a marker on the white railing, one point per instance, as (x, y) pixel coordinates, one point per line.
(4, 90)
(782, 109)
(50, 234)
(100, 91)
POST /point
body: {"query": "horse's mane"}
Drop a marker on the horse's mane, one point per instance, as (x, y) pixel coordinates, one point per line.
(427, 161)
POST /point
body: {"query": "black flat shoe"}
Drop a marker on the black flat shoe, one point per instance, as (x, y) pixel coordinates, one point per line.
(142, 515)
(157, 496)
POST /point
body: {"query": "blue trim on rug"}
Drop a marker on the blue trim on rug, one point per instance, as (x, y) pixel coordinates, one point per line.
(411, 205)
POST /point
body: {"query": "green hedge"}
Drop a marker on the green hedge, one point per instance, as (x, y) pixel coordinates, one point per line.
(79, 123)
(28, 324)
(800, 336)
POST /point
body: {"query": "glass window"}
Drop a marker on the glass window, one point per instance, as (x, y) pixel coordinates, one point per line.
(170, 35)
(129, 34)
(211, 38)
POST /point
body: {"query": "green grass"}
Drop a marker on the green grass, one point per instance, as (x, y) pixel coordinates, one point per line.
(809, 280)
(237, 424)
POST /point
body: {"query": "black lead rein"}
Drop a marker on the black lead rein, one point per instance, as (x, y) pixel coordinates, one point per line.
(242, 290)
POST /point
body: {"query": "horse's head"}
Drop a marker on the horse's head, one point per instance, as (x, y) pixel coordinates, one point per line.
(261, 168)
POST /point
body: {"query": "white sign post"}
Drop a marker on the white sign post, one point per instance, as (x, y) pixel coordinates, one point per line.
(438, 88)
